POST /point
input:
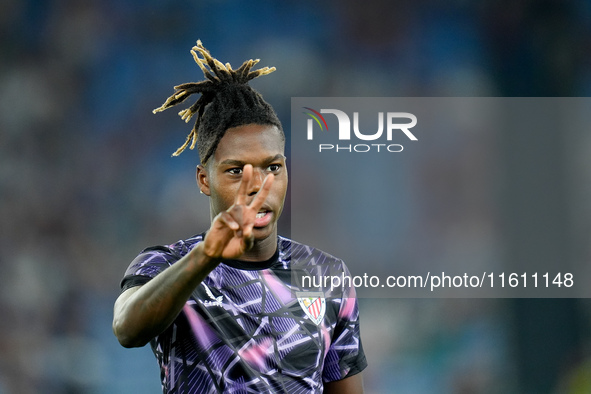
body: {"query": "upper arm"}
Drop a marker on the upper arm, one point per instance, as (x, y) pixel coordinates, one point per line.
(142, 269)
(119, 311)
(122, 299)
(351, 385)
(345, 357)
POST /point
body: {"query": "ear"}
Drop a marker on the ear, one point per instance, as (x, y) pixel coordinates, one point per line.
(203, 180)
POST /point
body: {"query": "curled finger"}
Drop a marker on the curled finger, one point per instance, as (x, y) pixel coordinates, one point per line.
(227, 219)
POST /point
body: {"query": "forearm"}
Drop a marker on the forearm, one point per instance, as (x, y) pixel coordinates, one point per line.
(142, 313)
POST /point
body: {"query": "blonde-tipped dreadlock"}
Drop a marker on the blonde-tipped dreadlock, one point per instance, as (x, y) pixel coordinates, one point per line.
(226, 101)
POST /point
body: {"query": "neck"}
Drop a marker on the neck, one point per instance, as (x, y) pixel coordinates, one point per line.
(262, 250)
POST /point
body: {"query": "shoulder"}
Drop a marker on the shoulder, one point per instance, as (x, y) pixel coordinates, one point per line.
(154, 259)
(177, 249)
(302, 255)
(314, 270)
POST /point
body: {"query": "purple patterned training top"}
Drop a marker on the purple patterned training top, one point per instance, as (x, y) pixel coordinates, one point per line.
(246, 329)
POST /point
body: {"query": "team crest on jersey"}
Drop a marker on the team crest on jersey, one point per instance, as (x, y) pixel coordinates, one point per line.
(313, 304)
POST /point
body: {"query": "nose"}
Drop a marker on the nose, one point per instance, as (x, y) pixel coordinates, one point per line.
(258, 176)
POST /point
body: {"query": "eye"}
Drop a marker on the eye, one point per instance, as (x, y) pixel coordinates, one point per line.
(234, 171)
(274, 167)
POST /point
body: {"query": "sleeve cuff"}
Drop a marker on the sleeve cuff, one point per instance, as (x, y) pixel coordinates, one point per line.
(132, 281)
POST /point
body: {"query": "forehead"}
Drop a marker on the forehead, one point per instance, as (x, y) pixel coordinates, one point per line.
(250, 143)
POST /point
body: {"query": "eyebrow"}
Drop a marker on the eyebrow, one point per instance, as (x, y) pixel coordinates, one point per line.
(235, 162)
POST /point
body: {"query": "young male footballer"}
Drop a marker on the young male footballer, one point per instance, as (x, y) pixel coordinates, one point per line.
(220, 309)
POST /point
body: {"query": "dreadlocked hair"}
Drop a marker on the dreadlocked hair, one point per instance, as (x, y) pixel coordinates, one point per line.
(226, 101)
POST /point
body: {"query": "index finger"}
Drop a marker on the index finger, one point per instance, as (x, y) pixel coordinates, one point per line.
(244, 182)
(261, 196)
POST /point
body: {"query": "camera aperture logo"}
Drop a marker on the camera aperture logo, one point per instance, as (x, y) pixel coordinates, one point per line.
(394, 121)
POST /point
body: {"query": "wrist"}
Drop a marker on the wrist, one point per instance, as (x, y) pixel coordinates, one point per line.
(203, 258)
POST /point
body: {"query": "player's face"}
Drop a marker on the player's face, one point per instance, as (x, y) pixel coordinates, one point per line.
(262, 146)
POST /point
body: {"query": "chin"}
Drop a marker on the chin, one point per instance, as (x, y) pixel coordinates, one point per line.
(262, 233)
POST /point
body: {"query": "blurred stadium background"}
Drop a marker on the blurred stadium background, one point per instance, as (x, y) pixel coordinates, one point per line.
(86, 178)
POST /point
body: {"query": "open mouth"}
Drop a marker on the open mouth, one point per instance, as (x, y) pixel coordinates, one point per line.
(263, 218)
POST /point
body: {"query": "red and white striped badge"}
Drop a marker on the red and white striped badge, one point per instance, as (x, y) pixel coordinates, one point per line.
(313, 304)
